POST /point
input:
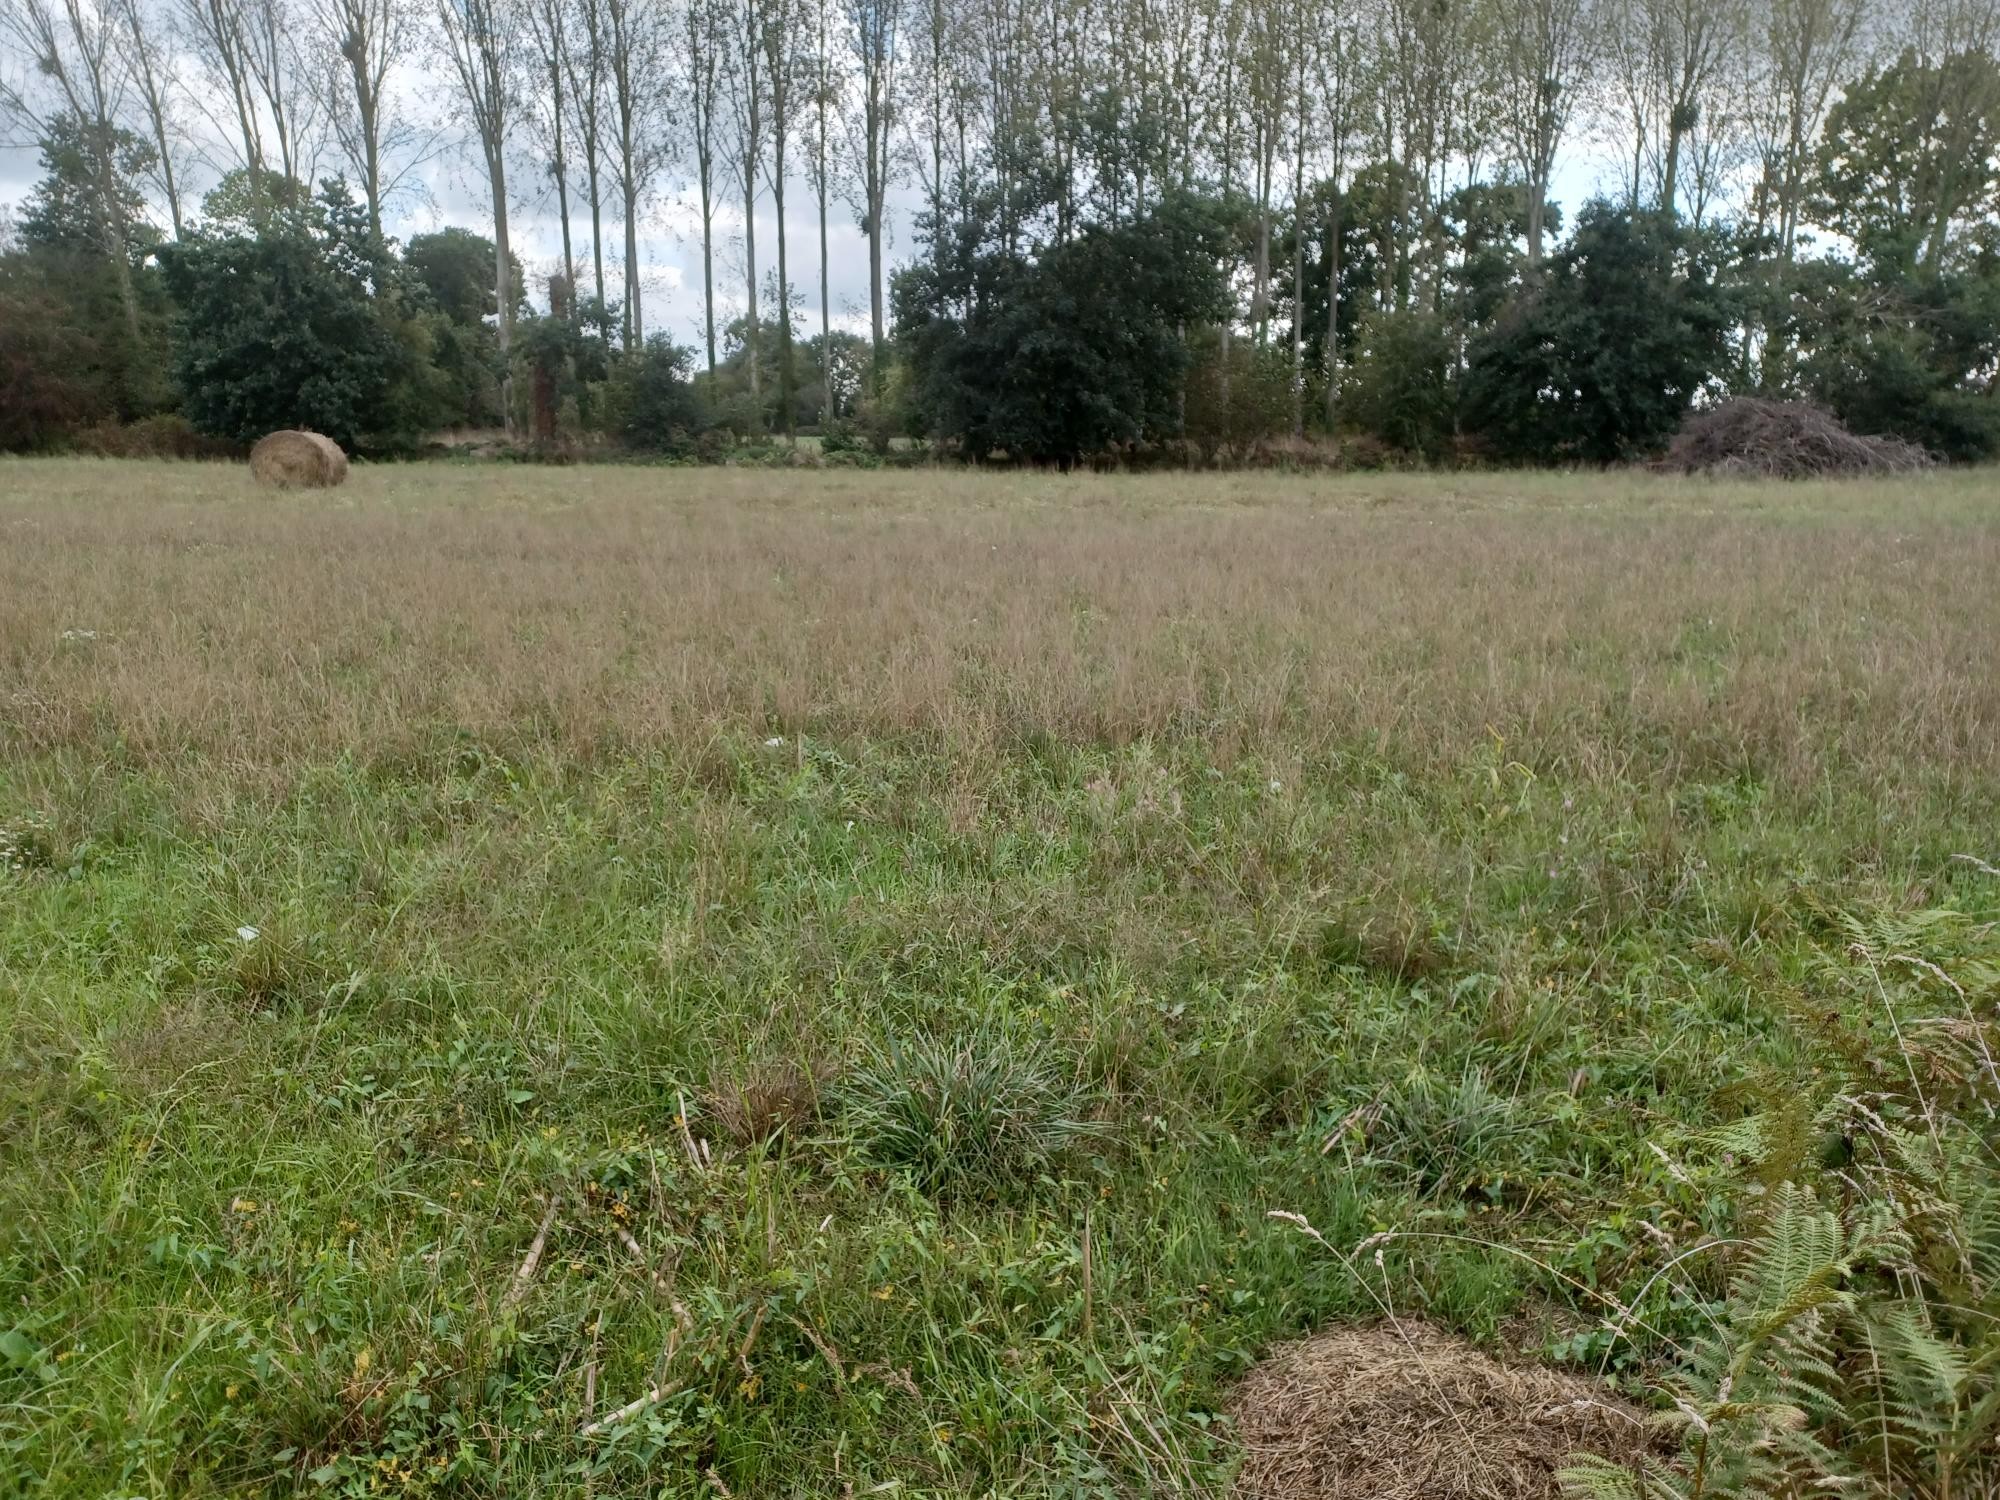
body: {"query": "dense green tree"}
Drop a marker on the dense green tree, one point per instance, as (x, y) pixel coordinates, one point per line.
(1066, 354)
(1910, 163)
(284, 330)
(832, 370)
(71, 205)
(1123, 247)
(249, 201)
(653, 404)
(1911, 358)
(1905, 339)
(451, 273)
(456, 267)
(45, 389)
(1400, 389)
(1600, 363)
(83, 350)
(1372, 210)
(1486, 235)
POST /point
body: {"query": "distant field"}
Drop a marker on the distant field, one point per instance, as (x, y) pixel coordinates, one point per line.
(900, 933)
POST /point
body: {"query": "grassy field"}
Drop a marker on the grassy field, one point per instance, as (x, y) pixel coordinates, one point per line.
(844, 965)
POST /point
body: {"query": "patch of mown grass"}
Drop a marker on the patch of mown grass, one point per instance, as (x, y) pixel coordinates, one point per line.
(903, 1108)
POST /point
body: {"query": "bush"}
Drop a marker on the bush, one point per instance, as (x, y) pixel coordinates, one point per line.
(651, 404)
(1235, 405)
(44, 392)
(1455, 1137)
(166, 435)
(841, 437)
(1400, 389)
(1600, 363)
(1911, 361)
(284, 330)
(884, 415)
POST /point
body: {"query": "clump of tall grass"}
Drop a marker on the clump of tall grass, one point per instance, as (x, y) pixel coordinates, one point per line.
(984, 1112)
(1451, 1135)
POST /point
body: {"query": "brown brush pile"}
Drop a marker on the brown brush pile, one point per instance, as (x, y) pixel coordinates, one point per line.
(1754, 438)
(1400, 1411)
(298, 460)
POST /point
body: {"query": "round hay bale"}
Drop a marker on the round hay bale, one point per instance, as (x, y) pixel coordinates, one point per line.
(298, 460)
(1403, 1411)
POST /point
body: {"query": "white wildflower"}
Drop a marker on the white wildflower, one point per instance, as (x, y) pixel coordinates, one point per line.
(248, 934)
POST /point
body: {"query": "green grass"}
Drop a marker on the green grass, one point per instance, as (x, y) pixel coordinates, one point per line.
(263, 1200)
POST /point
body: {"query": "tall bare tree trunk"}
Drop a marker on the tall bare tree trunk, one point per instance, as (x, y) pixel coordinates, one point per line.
(150, 63)
(77, 57)
(826, 412)
(778, 46)
(587, 93)
(872, 32)
(703, 39)
(1333, 234)
(549, 20)
(480, 41)
(635, 58)
(746, 87)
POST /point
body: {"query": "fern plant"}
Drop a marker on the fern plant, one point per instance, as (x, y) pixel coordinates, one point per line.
(1858, 1351)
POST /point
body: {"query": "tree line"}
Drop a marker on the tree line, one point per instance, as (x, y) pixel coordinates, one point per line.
(1172, 228)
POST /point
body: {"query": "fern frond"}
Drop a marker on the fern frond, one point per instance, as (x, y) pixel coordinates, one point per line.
(1795, 1265)
(1588, 1477)
(1930, 1370)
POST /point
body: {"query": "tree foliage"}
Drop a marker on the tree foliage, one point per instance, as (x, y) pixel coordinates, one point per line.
(1071, 352)
(1198, 229)
(1601, 360)
(281, 330)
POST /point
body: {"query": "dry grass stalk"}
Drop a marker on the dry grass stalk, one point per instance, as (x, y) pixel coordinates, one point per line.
(524, 1277)
(655, 1393)
(660, 1283)
(298, 460)
(1401, 1410)
(826, 1350)
(653, 1396)
(590, 1368)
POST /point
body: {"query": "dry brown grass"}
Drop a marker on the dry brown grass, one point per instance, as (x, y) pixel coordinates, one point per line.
(1628, 626)
(1400, 1410)
(768, 1098)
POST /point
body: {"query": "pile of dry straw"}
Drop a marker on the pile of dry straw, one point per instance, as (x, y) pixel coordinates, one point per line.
(1401, 1410)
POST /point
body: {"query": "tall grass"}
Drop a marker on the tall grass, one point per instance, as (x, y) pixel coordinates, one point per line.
(1617, 625)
